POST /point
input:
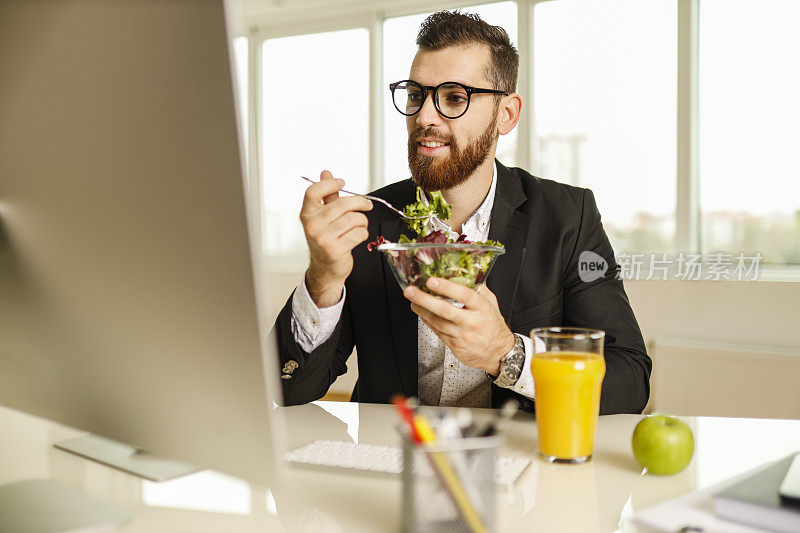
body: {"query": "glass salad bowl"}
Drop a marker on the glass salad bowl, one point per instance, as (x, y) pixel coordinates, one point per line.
(465, 263)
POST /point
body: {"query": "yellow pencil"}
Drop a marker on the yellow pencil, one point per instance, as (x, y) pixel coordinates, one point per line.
(448, 476)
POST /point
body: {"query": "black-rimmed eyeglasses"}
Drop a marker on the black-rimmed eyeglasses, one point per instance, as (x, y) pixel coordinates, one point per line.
(450, 98)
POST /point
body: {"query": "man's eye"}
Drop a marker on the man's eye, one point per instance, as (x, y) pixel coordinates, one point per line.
(414, 97)
(455, 98)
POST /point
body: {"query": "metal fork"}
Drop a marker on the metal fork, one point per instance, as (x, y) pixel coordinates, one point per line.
(381, 200)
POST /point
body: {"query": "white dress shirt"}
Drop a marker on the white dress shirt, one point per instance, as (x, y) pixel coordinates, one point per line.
(441, 378)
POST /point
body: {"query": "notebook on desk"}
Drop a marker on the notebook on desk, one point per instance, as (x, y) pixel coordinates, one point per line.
(756, 500)
(698, 511)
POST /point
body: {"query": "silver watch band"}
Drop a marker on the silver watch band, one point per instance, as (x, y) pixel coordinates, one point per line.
(511, 364)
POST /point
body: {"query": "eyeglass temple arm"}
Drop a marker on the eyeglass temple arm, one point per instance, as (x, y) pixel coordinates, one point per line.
(489, 91)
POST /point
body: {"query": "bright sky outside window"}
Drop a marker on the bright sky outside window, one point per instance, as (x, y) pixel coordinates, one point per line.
(315, 114)
(605, 111)
(749, 135)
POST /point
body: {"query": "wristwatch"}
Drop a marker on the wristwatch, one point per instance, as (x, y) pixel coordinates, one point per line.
(511, 364)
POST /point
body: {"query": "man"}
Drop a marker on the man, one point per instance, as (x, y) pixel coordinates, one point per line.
(458, 100)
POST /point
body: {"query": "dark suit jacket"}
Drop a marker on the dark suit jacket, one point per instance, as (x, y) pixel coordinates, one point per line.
(544, 225)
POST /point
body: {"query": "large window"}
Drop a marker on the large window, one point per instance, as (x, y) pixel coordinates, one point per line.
(749, 133)
(604, 96)
(681, 116)
(315, 116)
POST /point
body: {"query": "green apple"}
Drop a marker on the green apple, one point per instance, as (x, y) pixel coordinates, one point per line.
(662, 444)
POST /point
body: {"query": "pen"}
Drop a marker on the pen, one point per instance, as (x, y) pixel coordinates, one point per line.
(407, 416)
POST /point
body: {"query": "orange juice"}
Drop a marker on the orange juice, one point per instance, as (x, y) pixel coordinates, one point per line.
(567, 402)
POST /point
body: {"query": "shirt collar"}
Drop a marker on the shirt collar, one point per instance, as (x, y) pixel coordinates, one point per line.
(484, 211)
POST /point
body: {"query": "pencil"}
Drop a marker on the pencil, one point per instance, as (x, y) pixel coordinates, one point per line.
(448, 476)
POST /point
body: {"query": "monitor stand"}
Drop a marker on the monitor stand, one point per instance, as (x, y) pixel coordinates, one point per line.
(126, 458)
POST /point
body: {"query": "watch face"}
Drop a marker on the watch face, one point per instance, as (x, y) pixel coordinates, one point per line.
(511, 368)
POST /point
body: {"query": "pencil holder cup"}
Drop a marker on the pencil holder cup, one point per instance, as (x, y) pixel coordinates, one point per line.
(449, 486)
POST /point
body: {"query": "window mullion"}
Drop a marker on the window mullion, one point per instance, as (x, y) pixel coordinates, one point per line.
(376, 167)
(532, 152)
(524, 85)
(687, 231)
(254, 127)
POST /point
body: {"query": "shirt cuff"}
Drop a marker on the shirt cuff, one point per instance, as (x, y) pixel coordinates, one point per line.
(312, 326)
(524, 384)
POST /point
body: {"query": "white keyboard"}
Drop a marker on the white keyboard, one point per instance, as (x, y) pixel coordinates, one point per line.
(383, 459)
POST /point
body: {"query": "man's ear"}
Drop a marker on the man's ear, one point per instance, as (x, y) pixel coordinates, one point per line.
(510, 110)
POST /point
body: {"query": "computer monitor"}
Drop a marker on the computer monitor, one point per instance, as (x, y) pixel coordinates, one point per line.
(128, 301)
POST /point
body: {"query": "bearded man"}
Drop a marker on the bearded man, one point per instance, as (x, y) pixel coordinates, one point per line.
(459, 98)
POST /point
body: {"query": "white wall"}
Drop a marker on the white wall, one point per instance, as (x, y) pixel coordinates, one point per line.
(753, 312)
(721, 348)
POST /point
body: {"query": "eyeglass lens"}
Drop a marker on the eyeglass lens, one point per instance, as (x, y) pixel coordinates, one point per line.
(451, 99)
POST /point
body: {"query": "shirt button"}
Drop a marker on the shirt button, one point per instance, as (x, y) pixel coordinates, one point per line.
(452, 365)
(313, 322)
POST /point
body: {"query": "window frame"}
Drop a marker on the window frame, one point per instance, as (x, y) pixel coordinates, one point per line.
(298, 19)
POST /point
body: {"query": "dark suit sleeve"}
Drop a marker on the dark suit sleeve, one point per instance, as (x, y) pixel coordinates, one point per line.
(316, 371)
(603, 304)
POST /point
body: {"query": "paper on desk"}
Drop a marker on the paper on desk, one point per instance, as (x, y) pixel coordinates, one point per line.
(692, 510)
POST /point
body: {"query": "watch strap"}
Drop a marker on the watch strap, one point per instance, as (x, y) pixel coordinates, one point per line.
(511, 364)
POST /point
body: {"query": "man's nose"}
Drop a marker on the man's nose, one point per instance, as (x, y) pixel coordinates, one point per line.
(428, 115)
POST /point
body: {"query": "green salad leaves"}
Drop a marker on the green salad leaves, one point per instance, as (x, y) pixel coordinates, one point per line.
(413, 266)
(436, 206)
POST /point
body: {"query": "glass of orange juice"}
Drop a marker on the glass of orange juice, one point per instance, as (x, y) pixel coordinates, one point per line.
(568, 369)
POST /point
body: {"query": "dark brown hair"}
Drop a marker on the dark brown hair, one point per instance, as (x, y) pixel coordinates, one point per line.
(453, 28)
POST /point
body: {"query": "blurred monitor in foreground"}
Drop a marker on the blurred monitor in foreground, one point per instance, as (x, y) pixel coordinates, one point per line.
(128, 306)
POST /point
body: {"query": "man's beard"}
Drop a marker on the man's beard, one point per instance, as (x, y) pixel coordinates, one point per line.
(457, 167)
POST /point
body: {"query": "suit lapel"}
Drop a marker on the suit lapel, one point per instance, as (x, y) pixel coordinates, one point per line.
(403, 320)
(510, 227)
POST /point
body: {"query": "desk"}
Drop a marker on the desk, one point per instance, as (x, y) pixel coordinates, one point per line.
(596, 497)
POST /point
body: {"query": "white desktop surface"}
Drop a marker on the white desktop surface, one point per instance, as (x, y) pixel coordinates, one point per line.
(598, 496)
